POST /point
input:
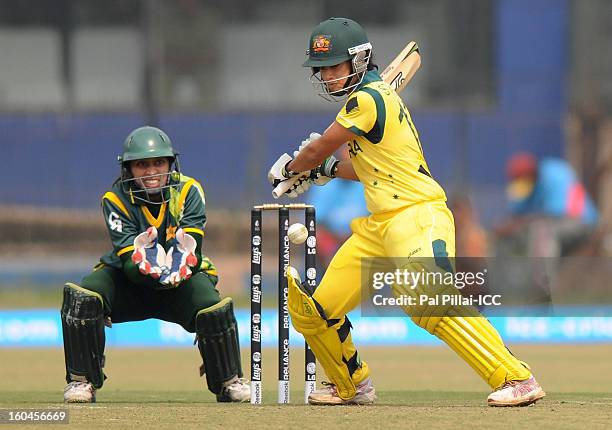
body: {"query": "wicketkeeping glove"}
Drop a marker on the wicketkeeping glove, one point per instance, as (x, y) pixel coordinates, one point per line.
(148, 254)
(180, 259)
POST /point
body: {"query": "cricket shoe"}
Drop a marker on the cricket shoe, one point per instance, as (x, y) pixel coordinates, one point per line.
(517, 393)
(79, 392)
(365, 394)
(236, 390)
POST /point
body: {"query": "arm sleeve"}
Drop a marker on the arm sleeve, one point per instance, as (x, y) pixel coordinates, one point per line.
(121, 228)
(122, 231)
(194, 219)
(358, 114)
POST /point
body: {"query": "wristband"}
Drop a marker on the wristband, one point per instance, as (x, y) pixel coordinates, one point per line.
(334, 169)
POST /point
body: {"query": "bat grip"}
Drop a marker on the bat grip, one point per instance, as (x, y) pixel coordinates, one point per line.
(284, 186)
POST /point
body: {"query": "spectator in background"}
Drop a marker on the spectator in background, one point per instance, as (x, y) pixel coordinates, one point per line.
(337, 204)
(550, 209)
(551, 217)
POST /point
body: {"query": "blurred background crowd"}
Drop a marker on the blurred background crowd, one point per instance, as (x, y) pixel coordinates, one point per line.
(513, 103)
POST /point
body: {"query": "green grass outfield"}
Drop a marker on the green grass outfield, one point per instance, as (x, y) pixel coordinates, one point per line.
(418, 387)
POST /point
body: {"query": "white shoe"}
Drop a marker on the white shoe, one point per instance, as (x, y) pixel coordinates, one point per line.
(79, 392)
(365, 394)
(237, 390)
(517, 393)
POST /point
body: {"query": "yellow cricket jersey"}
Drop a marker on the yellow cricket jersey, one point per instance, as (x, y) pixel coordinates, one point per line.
(386, 154)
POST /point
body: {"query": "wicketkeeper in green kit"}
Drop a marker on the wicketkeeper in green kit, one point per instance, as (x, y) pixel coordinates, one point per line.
(155, 219)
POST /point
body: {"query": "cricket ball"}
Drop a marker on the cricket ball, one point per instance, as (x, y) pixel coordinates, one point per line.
(297, 233)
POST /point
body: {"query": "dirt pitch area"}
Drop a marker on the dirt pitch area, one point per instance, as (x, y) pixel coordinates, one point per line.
(418, 387)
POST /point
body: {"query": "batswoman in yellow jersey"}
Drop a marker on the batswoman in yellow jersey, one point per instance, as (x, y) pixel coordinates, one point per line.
(409, 224)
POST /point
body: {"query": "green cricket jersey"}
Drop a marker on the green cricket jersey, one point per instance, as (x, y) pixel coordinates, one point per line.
(127, 217)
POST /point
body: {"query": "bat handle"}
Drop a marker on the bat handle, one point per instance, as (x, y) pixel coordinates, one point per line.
(284, 186)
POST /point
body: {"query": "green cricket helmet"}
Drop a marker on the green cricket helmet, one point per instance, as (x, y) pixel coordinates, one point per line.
(143, 143)
(335, 41)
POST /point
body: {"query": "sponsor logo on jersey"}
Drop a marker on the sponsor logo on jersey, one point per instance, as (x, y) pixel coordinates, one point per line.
(114, 222)
(170, 232)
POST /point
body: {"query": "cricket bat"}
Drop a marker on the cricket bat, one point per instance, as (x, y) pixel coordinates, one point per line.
(397, 74)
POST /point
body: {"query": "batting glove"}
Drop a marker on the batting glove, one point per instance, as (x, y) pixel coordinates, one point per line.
(300, 187)
(148, 254)
(324, 173)
(279, 172)
(306, 142)
(180, 259)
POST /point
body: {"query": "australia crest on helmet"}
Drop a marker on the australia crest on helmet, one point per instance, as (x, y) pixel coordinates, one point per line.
(321, 43)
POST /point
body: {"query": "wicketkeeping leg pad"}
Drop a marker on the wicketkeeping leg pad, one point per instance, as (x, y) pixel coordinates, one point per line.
(83, 332)
(217, 336)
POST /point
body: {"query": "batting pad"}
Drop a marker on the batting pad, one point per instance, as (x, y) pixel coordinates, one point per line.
(328, 350)
(476, 341)
(358, 369)
(328, 344)
(467, 333)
